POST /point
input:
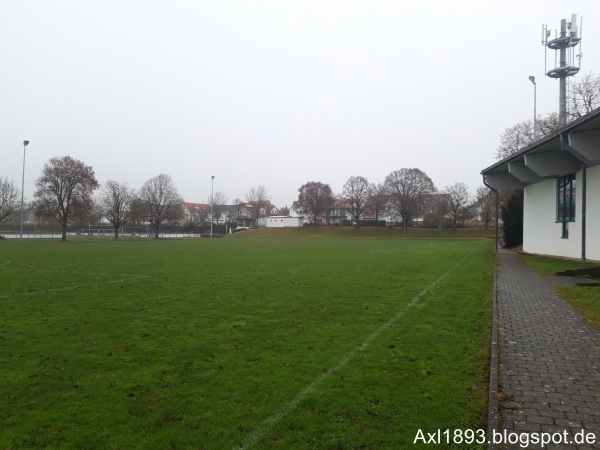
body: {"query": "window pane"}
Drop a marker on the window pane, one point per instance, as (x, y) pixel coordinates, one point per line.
(565, 199)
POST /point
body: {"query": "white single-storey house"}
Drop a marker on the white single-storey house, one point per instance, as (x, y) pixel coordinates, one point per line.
(560, 174)
(284, 222)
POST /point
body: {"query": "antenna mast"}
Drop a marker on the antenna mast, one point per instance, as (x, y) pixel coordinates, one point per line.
(564, 43)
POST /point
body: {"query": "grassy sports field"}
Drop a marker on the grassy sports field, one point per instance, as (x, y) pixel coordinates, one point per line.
(242, 343)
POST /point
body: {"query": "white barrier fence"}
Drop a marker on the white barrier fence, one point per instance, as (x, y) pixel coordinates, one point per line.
(17, 235)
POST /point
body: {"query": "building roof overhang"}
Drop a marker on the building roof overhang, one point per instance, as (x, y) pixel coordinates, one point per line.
(570, 148)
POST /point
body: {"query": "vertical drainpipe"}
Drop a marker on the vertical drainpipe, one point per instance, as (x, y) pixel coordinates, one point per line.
(497, 210)
(583, 210)
(564, 144)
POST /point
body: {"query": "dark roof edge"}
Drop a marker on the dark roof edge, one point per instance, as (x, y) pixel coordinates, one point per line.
(572, 126)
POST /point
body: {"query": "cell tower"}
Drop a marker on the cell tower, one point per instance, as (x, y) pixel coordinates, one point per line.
(564, 44)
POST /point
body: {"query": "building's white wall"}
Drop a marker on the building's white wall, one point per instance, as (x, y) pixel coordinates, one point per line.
(592, 235)
(295, 222)
(283, 221)
(275, 222)
(541, 233)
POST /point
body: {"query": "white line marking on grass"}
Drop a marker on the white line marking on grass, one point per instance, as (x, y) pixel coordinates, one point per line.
(70, 288)
(266, 425)
(69, 272)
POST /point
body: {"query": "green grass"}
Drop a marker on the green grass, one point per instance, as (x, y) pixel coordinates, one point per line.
(584, 299)
(289, 343)
(545, 265)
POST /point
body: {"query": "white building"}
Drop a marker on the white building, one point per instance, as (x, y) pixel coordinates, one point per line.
(560, 174)
(284, 222)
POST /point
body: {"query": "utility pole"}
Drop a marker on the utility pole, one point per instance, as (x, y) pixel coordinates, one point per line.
(535, 133)
(564, 43)
(212, 204)
(562, 96)
(25, 144)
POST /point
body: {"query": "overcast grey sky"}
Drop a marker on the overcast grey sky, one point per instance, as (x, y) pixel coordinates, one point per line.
(273, 93)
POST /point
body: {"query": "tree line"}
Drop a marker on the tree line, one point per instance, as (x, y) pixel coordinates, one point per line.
(64, 192)
(406, 194)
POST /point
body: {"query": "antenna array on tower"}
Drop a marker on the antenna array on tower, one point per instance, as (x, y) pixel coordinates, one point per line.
(564, 67)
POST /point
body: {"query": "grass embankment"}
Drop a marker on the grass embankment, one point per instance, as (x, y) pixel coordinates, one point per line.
(370, 232)
(296, 343)
(585, 299)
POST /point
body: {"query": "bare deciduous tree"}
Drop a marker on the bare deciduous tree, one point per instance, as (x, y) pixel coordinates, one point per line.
(547, 124)
(457, 198)
(94, 213)
(379, 200)
(409, 191)
(138, 211)
(116, 202)
(584, 95)
(515, 138)
(64, 191)
(10, 200)
(315, 199)
(161, 201)
(257, 198)
(356, 194)
(217, 201)
(485, 205)
(519, 136)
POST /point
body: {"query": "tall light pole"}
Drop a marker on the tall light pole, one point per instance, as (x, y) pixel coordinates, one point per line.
(535, 133)
(212, 204)
(25, 143)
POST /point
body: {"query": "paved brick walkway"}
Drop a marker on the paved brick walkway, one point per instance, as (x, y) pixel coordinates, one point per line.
(548, 357)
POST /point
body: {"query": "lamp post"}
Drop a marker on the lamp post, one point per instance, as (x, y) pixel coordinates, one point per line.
(535, 133)
(25, 143)
(212, 204)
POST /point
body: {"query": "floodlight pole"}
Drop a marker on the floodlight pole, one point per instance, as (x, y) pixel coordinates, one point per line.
(212, 204)
(535, 130)
(25, 143)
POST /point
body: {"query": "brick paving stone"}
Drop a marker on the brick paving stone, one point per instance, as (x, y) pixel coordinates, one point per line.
(549, 356)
